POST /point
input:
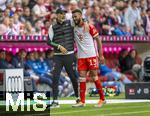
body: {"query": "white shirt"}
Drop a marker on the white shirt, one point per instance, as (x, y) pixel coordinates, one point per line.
(39, 9)
(132, 15)
(85, 47)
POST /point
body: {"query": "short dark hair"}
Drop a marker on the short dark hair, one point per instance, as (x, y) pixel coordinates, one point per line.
(60, 11)
(77, 11)
(134, 1)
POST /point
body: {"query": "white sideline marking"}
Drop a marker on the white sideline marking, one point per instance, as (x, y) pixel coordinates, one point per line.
(96, 101)
(97, 109)
(107, 101)
(115, 114)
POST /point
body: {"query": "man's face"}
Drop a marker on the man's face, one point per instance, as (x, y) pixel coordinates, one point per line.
(2, 55)
(77, 17)
(23, 54)
(61, 17)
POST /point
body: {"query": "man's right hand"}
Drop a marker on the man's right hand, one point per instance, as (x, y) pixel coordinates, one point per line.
(63, 50)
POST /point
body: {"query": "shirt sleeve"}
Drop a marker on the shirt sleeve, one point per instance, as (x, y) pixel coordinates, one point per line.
(36, 10)
(93, 31)
(51, 33)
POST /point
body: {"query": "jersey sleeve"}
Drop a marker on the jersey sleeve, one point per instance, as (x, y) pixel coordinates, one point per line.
(51, 33)
(93, 31)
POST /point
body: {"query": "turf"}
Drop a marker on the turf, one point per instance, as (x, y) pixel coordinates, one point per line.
(126, 109)
(116, 109)
(23, 113)
(120, 96)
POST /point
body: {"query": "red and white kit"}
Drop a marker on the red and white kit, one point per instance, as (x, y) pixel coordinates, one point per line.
(87, 55)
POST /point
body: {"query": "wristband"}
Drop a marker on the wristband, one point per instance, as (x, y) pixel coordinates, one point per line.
(58, 47)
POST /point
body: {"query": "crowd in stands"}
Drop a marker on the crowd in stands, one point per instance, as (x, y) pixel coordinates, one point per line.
(111, 17)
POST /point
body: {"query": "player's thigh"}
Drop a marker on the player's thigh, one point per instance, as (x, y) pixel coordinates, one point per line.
(82, 65)
(82, 73)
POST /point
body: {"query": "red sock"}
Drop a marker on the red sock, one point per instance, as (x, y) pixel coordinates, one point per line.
(82, 91)
(100, 89)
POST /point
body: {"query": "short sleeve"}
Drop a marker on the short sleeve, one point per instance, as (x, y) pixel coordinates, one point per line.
(93, 31)
(51, 33)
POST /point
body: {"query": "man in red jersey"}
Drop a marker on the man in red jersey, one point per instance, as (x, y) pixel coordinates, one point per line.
(87, 56)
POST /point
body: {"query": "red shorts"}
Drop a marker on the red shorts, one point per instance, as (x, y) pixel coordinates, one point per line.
(85, 64)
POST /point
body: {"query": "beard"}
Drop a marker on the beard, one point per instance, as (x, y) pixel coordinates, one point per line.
(77, 22)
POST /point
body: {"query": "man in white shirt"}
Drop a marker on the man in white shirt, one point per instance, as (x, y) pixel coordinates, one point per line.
(87, 56)
(132, 14)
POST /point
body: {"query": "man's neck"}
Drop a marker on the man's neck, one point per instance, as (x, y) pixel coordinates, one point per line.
(81, 23)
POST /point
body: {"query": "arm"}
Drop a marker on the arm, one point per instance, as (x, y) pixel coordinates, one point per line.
(100, 49)
(37, 11)
(126, 17)
(50, 38)
(95, 36)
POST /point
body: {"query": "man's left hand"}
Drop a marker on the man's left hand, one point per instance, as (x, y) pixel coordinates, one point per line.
(101, 59)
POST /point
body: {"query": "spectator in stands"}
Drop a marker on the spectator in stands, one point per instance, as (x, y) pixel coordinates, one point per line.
(73, 4)
(110, 22)
(28, 29)
(87, 14)
(43, 66)
(45, 28)
(3, 63)
(7, 13)
(17, 24)
(31, 3)
(27, 15)
(9, 56)
(147, 22)
(38, 24)
(131, 65)
(39, 10)
(33, 65)
(122, 55)
(143, 5)
(112, 75)
(4, 26)
(98, 17)
(12, 29)
(138, 29)
(11, 7)
(18, 61)
(3, 5)
(25, 3)
(132, 14)
(17, 4)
